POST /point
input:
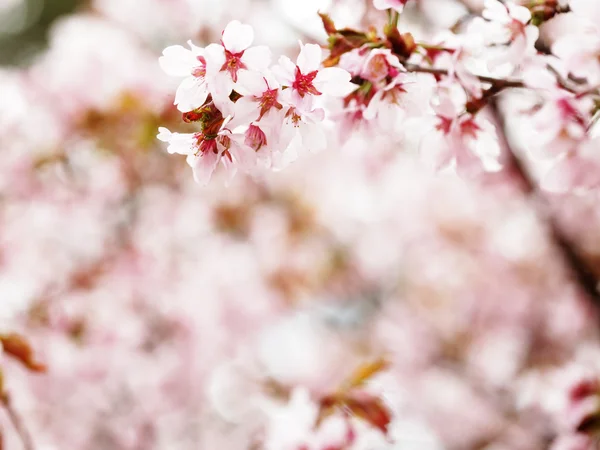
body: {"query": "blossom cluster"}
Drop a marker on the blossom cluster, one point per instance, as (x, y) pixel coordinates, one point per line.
(248, 112)
(356, 300)
(437, 88)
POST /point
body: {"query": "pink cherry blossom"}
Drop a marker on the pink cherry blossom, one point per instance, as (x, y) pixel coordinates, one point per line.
(191, 64)
(429, 283)
(204, 152)
(306, 79)
(226, 60)
(510, 30)
(579, 46)
(459, 139)
(380, 64)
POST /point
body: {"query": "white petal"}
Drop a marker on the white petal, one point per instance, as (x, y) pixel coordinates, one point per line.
(309, 58)
(191, 94)
(220, 89)
(215, 58)
(177, 61)
(317, 115)
(334, 81)
(198, 51)
(243, 155)
(373, 108)
(495, 11)
(237, 36)
(180, 143)
(257, 58)
(519, 13)
(203, 166)
(250, 83)
(285, 71)
(245, 110)
(164, 134)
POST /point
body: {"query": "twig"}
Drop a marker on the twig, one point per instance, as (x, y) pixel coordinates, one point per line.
(17, 423)
(579, 269)
(499, 82)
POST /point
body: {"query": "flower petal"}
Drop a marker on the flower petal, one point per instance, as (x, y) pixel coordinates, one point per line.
(250, 83)
(309, 58)
(220, 89)
(245, 110)
(191, 94)
(284, 71)
(177, 61)
(203, 166)
(181, 143)
(214, 54)
(257, 58)
(243, 155)
(334, 81)
(237, 37)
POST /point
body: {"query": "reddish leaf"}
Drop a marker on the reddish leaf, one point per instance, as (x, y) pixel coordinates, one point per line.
(328, 23)
(17, 347)
(403, 45)
(370, 409)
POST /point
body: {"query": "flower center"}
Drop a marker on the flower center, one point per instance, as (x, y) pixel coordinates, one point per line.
(304, 83)
(200, 71)
(206, 144)
(294, 117)
(255, 138)
(233, 63)
(268, 101)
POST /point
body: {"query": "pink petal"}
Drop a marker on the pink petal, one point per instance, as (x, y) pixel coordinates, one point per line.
(203, 166)
(371, 112)
(237, 37)
(245, 110)
(334, 81)
(519, 13)
(243, 155)
(220, 88)
(164, 134)
(214, 55)
(177, 61)
(257, 58)
(309, 58)
(191, 94)
(250, 83)
(285, 71)
(181, 143)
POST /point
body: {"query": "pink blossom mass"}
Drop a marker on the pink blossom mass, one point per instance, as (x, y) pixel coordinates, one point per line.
(316, 225)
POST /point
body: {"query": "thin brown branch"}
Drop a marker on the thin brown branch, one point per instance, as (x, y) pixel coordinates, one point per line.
(498, 82)
(17, 423)
(578, 267)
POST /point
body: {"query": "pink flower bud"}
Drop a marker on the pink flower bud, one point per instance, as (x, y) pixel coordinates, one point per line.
(255, 138)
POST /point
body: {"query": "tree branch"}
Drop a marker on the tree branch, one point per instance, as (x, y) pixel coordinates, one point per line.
(577, 266)
(498, 82)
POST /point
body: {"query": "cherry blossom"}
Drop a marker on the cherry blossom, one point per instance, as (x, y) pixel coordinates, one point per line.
(403, 219)
(307, 80)
(191, 64)
(234, 54)
(204, 151)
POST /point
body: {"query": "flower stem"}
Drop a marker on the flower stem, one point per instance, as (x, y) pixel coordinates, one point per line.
(17, 423)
